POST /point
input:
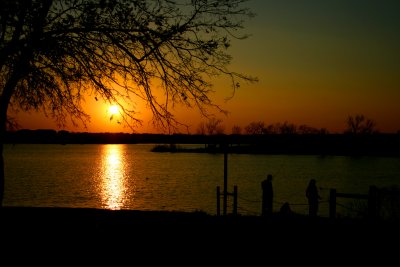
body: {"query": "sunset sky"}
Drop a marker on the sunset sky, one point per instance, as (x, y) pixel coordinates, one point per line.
(317, 63)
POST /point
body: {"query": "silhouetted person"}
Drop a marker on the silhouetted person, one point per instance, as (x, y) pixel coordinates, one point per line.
(267, 196)
(285, 209)
(313, 197)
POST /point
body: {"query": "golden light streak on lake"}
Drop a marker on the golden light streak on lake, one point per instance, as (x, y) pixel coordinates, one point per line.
(113, 176)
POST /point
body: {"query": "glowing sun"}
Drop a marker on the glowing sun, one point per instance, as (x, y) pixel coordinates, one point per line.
(113, 109)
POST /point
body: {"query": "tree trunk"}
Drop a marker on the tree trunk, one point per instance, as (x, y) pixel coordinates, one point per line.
(2, 176)
(5, 98)
(19, 70)
(3, 121)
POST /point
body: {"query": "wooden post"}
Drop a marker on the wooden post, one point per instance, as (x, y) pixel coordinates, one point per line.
(332, 203)
(218, 202)
(225, 180)
(373, 202)
(263, 200)
(235, 200)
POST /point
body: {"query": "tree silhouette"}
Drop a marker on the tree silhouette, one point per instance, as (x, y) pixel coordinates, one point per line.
(287, 128)
(236, 129)
(53, 53)
(201, 129)
(256, 127)
(214, 126)
(359, 124)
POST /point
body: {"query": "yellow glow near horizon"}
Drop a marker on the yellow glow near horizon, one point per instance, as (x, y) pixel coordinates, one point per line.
(113, 109)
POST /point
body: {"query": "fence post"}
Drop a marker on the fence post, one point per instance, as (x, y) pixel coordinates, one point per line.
(235, 192)
(373, 205)
(218, 202)
(225, 181)
(332, 203)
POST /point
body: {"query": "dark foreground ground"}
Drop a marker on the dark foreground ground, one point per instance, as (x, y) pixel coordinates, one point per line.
(174, 236)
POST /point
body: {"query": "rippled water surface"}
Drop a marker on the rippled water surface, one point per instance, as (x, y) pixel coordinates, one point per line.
(131, 177)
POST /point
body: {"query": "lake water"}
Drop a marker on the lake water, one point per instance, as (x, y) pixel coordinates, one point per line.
(132, 177)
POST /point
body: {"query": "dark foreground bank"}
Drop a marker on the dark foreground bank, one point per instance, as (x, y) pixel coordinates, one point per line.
(135, 222)
(196, 234)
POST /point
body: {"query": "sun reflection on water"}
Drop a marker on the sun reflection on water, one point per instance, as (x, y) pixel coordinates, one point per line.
(113, 176)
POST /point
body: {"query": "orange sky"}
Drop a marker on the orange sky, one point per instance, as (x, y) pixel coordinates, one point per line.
(317, 63)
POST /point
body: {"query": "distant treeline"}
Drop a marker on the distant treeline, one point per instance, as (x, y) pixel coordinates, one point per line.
(317, 144)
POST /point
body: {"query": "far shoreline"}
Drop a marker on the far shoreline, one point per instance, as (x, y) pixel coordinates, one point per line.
(377, 144)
